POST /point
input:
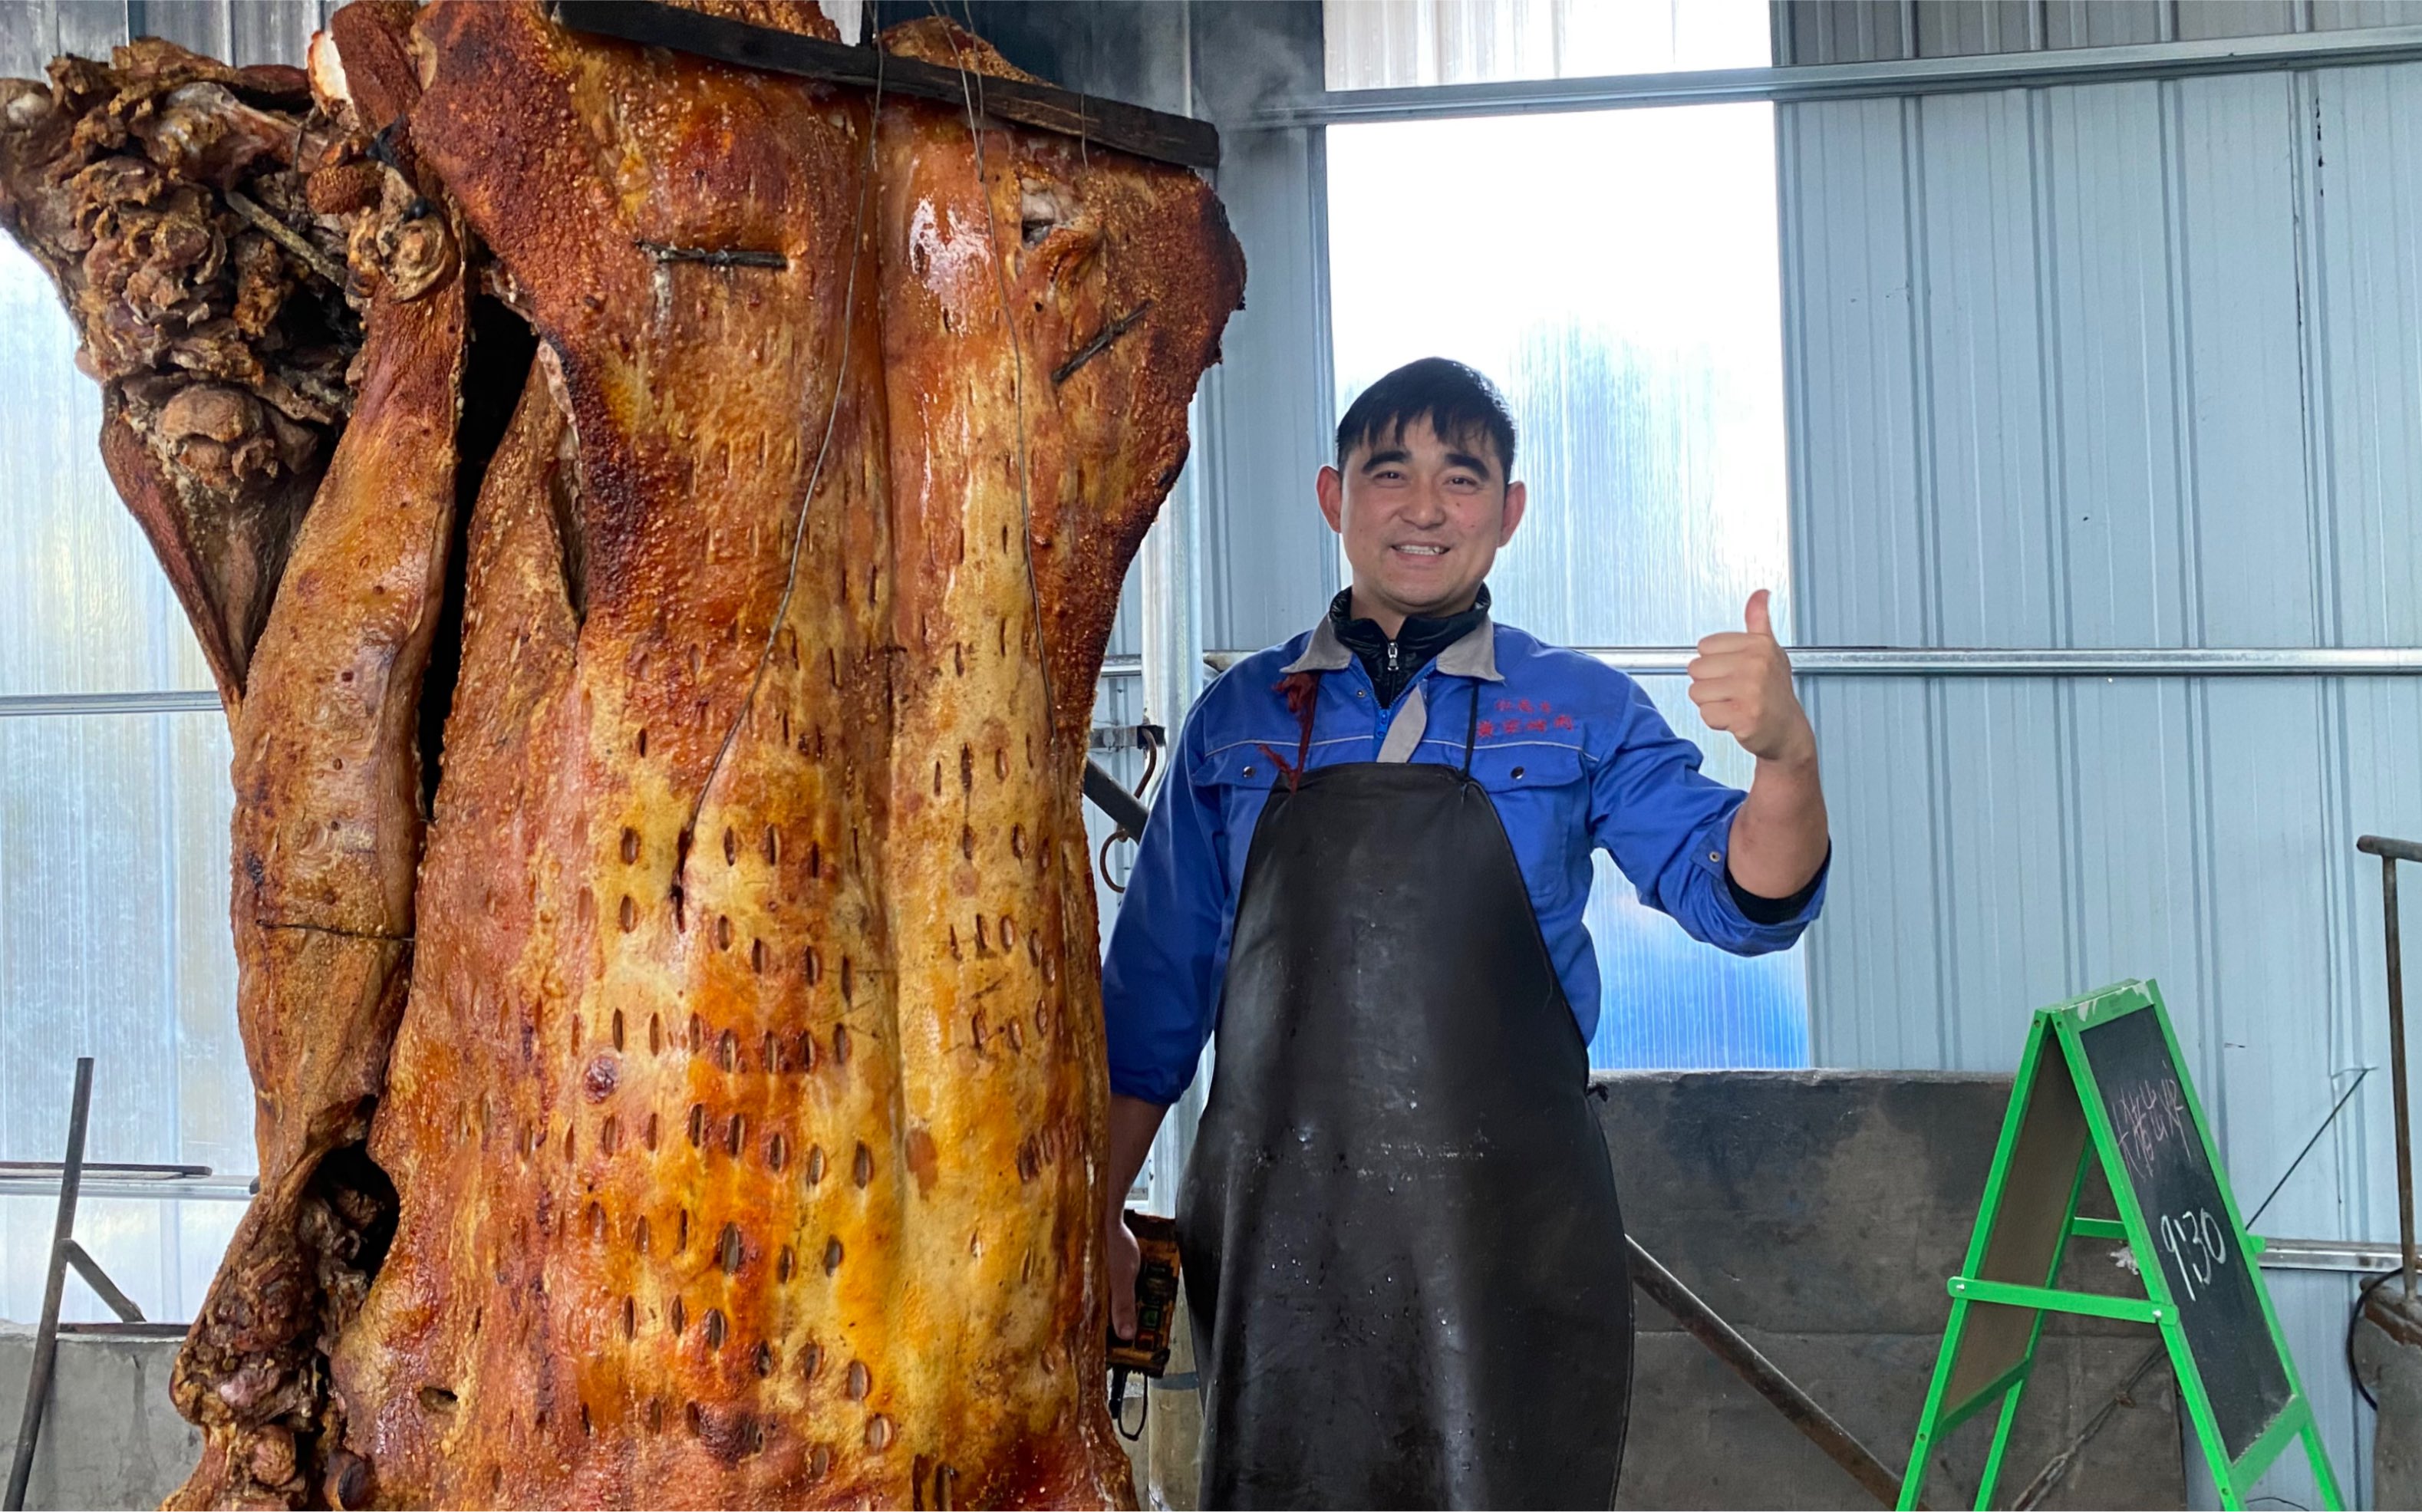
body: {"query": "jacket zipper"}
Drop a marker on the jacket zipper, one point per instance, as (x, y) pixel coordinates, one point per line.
(1392, 656)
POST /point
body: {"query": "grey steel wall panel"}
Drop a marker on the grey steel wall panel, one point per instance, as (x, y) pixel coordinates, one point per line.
(2105, 22)
(1848, 378)
(1824, 31)
(1980, 340)
(1269, 561)
(2348, 15)
(2113, 355)
(1879, 940)
(2120, 364)
(2367, 133)
(1949, 27)
(1860, 31)
(2237, 18)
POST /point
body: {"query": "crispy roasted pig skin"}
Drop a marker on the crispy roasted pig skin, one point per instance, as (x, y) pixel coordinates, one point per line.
(1046, 313)
(731, 1068)
(744, 1114)
(637, 1111)
(327, 836)
(165, 194)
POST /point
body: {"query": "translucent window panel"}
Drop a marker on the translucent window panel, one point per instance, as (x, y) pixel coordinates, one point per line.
(1668, 1001)
(1381, 44)
(1615, 273)
(114, 943)
(84, 607)
(162, 1255)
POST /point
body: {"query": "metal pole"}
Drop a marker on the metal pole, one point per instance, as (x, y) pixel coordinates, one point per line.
(2397, 1070)
(1892, 78)
(2390, 851)
(1169, 575)
(46, 1336)
(1703, 1323)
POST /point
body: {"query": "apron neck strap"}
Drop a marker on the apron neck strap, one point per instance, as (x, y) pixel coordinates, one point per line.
(1471, 728)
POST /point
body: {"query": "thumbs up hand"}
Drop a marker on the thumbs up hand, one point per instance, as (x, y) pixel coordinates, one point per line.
(1741, 681)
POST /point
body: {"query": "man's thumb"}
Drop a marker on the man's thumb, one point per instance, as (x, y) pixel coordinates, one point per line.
(1760, 622)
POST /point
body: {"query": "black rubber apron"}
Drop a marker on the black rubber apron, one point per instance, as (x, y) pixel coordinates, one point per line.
(1402, 1248)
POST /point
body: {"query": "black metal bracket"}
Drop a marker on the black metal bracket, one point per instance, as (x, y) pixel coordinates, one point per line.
(1152, 134)
(1123, 809)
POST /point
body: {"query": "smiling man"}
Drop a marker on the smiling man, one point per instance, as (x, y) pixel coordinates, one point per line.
(1366, 873)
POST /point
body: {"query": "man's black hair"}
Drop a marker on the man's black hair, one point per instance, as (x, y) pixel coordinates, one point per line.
(1459, 403)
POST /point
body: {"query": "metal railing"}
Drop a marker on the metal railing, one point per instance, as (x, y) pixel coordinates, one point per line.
(2391, 852)
(1988, 661)
(1800, 83)
(1654, 661)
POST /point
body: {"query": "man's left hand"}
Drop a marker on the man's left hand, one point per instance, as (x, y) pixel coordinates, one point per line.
(1741, 681)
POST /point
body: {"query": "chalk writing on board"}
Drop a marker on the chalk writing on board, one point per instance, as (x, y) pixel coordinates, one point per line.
(2163, 1157)
(2198, 1246)
(2147, 1117)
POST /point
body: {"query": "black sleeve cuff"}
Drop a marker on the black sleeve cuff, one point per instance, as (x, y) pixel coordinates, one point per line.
(1758, 911)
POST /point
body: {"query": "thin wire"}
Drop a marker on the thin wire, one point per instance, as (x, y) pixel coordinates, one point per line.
(815, 473)
(2359, 1074)
(968, 91)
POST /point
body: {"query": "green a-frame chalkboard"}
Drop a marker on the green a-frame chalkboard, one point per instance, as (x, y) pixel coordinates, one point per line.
(2101, 1079)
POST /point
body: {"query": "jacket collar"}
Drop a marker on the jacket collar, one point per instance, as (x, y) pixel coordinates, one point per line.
(1472, 655)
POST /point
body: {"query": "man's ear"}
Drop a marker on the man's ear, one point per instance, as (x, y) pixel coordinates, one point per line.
(1516, 498)
(1330, 487)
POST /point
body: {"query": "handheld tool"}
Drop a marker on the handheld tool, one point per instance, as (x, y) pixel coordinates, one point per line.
(1155, 1312)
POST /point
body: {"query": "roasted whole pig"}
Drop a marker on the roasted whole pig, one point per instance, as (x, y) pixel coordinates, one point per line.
(722, 513)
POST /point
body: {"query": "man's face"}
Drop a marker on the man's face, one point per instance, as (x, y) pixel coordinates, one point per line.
(1422, 518)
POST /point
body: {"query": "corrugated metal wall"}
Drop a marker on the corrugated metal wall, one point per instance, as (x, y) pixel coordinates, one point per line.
(1860, 31)
(2130, 365)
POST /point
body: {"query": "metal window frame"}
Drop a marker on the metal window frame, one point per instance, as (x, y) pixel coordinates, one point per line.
(1800, 83)
(1952, 661)
(1653, 661)
(164, 701)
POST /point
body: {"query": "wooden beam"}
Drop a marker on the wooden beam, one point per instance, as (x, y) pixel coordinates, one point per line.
(1149, 133)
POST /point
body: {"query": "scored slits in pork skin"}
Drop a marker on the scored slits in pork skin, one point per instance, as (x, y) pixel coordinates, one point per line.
(744, 1114)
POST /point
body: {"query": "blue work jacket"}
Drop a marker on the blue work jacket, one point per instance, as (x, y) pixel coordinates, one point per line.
(1572, 753)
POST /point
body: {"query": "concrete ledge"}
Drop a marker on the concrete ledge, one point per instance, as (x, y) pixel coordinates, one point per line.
(111, 1438)
(1820, 1212)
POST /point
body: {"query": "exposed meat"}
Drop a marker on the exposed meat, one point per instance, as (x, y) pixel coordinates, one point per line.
(744, 1112)
(328, 826)
(165, 194)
